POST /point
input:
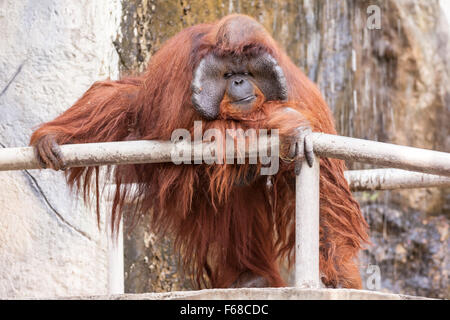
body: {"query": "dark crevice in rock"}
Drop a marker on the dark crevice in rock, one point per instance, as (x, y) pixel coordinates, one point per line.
(19, 69)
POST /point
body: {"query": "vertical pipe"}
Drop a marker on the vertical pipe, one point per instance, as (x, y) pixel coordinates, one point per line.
(115, 263)
(307, 226)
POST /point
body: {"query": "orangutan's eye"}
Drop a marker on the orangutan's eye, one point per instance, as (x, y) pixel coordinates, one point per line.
(227, 75)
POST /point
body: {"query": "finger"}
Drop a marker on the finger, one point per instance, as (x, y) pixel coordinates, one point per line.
(42, 163)
(292, 150)
(300, 151)
(56, 150)
(298, 167)
(53, 160)
(42, 149)
(309, 150)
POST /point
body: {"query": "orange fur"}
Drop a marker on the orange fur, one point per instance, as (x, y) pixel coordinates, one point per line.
(228, 111)
(222, 230)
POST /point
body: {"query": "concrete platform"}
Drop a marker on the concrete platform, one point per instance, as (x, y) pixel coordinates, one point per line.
(259, 294)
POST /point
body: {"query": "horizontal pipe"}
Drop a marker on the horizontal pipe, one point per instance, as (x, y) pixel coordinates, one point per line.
(389, 179)
(115, 153)
(91, 154)
(382, 154)
(325, 145)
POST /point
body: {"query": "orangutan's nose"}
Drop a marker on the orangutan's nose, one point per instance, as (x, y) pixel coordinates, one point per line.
(239, 88)
(238, 82)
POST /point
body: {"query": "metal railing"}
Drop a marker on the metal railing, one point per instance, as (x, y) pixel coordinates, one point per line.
(325, 145)
(433, 168)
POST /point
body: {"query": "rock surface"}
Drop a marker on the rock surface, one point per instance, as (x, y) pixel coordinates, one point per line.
(388, 84)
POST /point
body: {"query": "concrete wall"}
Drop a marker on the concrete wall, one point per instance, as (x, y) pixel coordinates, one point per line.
(51, 51)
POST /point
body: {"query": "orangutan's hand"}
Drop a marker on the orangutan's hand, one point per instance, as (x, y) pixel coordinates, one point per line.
(49, 153)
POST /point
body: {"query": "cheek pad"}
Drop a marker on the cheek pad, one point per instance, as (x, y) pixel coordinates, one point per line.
(269, 77)
(208, 87)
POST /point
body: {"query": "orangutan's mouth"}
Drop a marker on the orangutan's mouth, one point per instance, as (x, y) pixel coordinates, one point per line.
(245, 100)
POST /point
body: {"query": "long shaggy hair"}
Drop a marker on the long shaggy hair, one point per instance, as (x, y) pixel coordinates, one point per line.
(222, 228)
